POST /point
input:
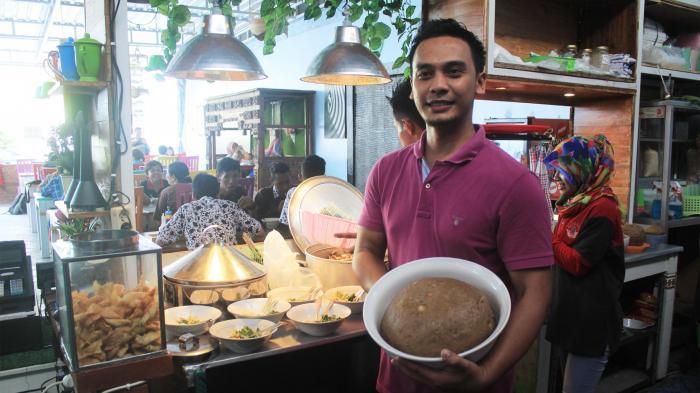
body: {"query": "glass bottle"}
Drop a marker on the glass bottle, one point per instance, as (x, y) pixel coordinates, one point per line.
(601, 58)
(570, 51)
(586, 55)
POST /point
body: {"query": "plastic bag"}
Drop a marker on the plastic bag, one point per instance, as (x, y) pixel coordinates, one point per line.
(283, 270)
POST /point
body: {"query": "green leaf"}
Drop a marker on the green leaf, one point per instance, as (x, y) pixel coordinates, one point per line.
(164, 9)
(375, 43)
(355, 12)
(398, 62)
(181, 15)
(268, 49)
(331, 12)
(227, 10)
(387, 12)
(382, 30)
(309, 12)
(267, 7)
(156, 3)
(372, 18)
(407, 73)
(410, 10)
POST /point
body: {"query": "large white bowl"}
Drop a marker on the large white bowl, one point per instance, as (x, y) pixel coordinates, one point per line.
(206, 314)
(222, 331)
(303, 316)
(355, 307)
(300, 294)
(389, 285)
(252, 308)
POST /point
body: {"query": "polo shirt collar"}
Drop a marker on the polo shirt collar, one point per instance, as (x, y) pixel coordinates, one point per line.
(466, 153)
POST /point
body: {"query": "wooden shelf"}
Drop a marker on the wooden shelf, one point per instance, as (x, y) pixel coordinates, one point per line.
(501, 88)
(78, 87)
(649, 69)
(577, 74)
(677, 16)
(71, 214)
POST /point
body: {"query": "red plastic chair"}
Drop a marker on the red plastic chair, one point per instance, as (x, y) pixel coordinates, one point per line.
(192, 162)
(45, 172)
(183, 194)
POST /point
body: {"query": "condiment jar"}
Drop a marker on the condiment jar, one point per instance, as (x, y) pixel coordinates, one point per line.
(601, 58)
(570, 51)
(586, 55)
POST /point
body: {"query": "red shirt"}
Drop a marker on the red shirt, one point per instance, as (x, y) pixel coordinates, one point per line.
(480, 205)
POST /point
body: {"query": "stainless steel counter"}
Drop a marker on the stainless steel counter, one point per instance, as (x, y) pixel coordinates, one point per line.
(286, 339)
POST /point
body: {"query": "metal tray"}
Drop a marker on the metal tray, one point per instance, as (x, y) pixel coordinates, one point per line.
(316, 193)
(106, 240)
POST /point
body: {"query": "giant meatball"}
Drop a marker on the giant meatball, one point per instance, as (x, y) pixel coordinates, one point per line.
(435, 313)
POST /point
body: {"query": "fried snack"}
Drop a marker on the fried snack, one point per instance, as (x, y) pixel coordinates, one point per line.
(339, 255)
(112, 322)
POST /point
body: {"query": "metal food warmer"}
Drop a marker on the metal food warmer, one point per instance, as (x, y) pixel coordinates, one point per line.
(214, 275)
(108, 286)
(320, 207)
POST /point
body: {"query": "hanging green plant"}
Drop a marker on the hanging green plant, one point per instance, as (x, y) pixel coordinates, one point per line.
(374, 33)
(179, 16)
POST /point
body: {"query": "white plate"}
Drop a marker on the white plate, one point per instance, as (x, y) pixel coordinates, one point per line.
(389, 285)
(635, 324)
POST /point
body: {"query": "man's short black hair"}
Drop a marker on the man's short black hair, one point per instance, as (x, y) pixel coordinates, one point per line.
(203, 185)
(227, 164)
(179, 171)
(150, 165)
(279, 168)
(162, 150)
(451, 28)
(313, 165)
(137, 155)
(402, 106)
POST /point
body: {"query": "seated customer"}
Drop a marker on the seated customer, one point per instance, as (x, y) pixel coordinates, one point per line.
(313, 165)
(154, 183)
(269, 200)
(228, 172)
(192, 218)
(177, 174)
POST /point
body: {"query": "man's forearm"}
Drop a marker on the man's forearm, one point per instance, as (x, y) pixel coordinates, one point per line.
(368, 268)
(526, 319)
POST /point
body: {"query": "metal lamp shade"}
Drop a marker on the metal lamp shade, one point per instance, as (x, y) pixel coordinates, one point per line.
(347, 62)
(215, 54)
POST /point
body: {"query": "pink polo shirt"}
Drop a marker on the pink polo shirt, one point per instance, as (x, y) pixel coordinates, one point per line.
(480, 205)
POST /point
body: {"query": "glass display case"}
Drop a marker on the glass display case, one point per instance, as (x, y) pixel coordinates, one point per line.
(108, 288)
(668, 162)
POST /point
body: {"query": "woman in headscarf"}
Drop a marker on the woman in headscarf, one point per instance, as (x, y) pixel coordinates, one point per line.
(585, 320)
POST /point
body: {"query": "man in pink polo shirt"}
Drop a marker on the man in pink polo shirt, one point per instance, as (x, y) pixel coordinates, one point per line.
(456, 194)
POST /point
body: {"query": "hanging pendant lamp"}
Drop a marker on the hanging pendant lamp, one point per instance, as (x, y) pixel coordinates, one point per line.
(347, 61)
(215, 54)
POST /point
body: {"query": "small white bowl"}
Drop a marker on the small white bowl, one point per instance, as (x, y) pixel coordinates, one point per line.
(252, 308)
(300, 295)
(389, 285)
(271, 223)
(634, 324)
(355, 307)
(206, 315)
(626, 240)
(304, 316)
(231, 295)
(223, 331)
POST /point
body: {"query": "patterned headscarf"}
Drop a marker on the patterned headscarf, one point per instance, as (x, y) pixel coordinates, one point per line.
(587, 164)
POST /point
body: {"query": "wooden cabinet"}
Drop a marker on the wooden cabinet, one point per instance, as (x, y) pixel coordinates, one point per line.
(272, 125)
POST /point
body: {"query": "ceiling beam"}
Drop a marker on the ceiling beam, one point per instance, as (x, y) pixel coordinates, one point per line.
(53, 10)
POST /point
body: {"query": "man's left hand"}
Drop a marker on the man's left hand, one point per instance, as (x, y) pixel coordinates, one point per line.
(460, 375)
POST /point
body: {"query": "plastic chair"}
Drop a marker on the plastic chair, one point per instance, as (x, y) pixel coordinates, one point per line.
(36, 170)
(165, 160)
(25, 173)
(192, 162)
(183, 194)
(45, 172)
